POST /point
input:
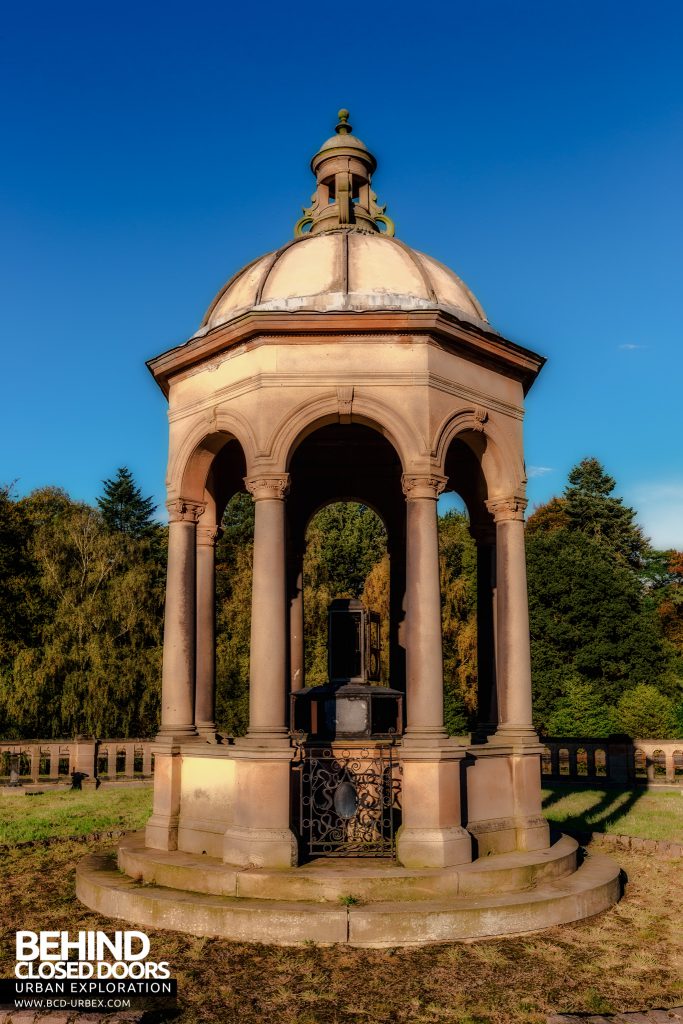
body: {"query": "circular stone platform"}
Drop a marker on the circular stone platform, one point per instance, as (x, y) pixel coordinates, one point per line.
(373, 903)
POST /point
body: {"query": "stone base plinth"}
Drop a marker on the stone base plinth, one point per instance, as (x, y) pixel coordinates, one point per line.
(497, 895)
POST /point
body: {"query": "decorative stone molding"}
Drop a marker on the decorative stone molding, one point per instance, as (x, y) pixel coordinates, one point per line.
(345, 401)
(480, 417)
(208, 535)
(428, 486)
(506, 510)
(181, 511)
(268, 488)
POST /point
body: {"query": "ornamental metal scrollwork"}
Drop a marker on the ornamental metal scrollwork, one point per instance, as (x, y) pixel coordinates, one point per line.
(349, 800)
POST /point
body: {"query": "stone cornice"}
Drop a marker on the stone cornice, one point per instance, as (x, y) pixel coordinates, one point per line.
(268, 488)
(428, 486)
(474, 342)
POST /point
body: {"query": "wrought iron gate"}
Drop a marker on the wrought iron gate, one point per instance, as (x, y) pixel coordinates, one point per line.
(348, 802)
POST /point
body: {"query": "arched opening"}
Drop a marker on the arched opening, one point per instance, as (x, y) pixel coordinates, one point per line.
(468, 591)
(234, 555)
(346, 481)
(345, 557)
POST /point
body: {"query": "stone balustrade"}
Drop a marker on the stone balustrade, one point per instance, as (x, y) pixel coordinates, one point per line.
(613, 761)
(42, 761)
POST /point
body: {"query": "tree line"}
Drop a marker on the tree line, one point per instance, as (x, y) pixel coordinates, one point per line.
(82, 592)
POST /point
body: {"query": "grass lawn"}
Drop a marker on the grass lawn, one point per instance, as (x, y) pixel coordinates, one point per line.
(628, 958)
(63, 813)
(645, 813)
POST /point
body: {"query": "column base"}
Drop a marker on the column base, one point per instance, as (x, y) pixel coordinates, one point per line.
(207, 732)
(432, 835)
(248, 847)
(504, 802)
(259, 834)
(161, 832)
(433, 847)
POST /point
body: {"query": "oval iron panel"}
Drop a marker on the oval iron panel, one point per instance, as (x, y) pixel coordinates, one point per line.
(346, 800)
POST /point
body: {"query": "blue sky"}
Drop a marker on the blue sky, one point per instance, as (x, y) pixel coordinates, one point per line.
(152, 150)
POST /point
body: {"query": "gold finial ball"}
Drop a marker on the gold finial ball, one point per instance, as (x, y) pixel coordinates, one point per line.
(343, 128)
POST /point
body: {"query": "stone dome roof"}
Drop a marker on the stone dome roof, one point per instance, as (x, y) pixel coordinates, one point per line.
(345, 270)
(344, 256)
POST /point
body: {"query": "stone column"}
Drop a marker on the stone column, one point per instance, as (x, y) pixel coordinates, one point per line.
(431, 834)
(259, 833)
(178, 674)
(504, 784)
(424, 657)
(513, 654)
(205, 692)
(267, 678)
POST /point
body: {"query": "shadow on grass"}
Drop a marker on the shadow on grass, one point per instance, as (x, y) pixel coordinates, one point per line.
(608, 811)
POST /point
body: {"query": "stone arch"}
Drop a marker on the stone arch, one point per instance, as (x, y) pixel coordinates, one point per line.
(501, 462)
(190, 470)
(323, 410)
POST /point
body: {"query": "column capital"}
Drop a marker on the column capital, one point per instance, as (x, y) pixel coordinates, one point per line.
(263, 488)
(180, 510)
(509, 509)
(428, 485)
(208, 535)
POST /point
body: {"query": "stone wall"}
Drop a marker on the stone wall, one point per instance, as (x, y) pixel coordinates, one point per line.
(614, 761)
(42, 761)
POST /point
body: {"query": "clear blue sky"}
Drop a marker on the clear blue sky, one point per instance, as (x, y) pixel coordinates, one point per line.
(151, 150)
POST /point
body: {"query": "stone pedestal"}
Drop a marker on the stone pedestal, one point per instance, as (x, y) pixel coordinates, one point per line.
(432, 835)
(504, 805)
(161, 832)
(259, 833)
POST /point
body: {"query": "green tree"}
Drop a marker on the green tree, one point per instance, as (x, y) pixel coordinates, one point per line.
(645, 713)
(234, 559)
(587, 618)
(123, 508)
(550, 516)
(458, 574)
(593, 510)
(581, 712)
(344, 542)
(93, 665)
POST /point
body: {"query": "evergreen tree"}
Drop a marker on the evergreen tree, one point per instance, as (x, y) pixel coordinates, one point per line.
(645, 713)
(588, 619)
(123, 508)
(581, 712)
(592, 510)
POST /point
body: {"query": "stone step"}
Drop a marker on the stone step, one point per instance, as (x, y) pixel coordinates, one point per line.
(330, 879)
(594, 887)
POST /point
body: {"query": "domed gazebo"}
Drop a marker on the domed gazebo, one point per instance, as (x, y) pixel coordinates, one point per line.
(347, 366)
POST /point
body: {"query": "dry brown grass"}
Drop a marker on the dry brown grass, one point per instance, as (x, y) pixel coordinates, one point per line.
(626, 959)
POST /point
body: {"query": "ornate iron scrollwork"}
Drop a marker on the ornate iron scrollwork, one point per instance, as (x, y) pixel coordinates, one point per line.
(349, 800)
